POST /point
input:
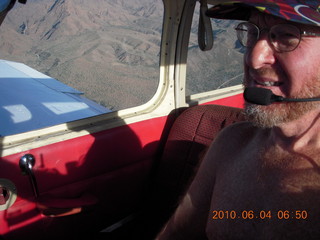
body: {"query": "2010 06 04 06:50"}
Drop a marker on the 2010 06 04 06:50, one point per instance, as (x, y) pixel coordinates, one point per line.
(263, 214)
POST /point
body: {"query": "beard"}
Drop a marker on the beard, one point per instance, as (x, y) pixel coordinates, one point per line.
(276, 114)
(279, 113)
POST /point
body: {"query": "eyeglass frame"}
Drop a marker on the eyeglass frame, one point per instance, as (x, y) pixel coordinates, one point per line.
(301, 32)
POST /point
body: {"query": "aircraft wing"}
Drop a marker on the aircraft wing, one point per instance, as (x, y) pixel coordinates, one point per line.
(31, 100)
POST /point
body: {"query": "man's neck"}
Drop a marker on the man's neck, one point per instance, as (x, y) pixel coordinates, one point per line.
(299, 134)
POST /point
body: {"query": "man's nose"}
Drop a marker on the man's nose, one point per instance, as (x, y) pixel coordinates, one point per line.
(260, 54)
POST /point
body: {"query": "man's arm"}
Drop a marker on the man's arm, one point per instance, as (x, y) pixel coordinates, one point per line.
(189, 220)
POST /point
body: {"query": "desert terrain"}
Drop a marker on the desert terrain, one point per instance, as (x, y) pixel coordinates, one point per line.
(109, 49)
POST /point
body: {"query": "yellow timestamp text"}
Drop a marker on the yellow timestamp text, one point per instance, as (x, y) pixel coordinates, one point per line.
(250, 214)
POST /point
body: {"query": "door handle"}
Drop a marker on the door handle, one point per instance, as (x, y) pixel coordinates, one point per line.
(50, 206)
(26, 164)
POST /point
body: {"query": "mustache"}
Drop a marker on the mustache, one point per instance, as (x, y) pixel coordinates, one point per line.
(260, 72)
(263, 72)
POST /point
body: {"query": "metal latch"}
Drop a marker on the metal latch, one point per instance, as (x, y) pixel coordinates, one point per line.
(26, 164)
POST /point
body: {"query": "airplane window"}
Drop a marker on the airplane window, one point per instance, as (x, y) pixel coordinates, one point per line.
(76, 59)
(218, 68)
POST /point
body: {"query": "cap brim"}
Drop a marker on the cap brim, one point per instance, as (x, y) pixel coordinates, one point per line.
(292, 10)
(234, 11)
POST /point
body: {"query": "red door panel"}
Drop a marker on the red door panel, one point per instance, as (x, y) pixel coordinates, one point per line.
(103, 176)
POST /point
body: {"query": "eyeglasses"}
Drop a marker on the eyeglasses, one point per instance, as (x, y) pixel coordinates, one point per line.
(283, 37)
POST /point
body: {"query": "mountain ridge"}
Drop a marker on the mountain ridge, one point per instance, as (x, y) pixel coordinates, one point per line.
(89, 46)
(105, 49)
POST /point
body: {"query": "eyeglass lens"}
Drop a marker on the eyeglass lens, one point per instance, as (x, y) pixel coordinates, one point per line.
(283, 37)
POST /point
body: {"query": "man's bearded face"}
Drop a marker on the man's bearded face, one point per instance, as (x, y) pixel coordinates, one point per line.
(279, 113)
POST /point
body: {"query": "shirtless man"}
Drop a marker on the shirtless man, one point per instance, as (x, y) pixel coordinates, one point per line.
(261, 178)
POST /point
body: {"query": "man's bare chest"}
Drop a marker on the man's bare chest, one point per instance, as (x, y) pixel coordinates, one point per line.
(273, 200)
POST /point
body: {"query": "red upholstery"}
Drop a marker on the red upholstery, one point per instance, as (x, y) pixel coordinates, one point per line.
(189, 138)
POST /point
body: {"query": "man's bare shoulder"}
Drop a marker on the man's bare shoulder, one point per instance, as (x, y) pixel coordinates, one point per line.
(236, 135)
(231, 142)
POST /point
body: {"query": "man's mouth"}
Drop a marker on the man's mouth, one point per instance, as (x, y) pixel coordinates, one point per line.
(268, 83)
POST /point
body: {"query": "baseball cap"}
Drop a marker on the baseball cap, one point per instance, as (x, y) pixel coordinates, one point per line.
(301, 11)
